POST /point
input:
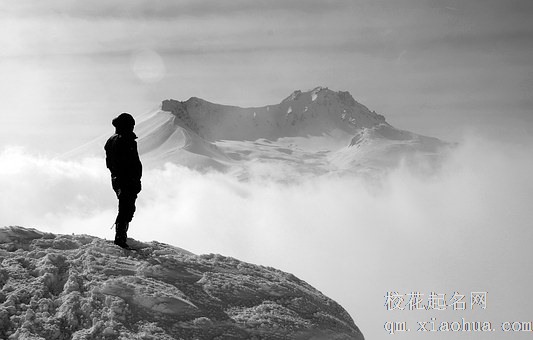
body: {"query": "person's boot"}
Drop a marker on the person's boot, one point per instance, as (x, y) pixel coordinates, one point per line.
(121, 236)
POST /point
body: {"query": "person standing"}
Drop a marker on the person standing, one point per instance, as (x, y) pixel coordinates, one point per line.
(122, 160)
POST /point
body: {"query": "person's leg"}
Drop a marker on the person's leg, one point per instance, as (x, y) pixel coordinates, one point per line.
(126, 209)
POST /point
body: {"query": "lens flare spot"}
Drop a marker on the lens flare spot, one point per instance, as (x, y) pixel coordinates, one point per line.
(148, 66)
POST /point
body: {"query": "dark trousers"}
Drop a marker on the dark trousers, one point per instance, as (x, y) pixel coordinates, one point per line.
(126, 206)
(126, 209)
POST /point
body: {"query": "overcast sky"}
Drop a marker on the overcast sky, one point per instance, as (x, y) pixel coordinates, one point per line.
(433, 67)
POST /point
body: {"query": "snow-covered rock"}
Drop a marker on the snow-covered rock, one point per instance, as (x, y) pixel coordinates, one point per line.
(82, 287)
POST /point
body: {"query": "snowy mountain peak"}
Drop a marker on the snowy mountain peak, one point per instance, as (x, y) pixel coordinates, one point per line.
(315, 112)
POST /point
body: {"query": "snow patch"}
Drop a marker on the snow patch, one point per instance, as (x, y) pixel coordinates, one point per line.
(314, 93)
(155, 295)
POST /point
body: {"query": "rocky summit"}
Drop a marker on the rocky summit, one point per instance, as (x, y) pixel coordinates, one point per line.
(83, 287)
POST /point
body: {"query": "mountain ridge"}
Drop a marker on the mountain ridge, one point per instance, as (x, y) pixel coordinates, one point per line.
(82, 287)
(300, 114)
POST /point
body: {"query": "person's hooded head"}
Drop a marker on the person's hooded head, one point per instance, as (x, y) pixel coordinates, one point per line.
(124, 123)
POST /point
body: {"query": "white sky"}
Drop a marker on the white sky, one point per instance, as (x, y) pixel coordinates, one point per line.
(433, 67)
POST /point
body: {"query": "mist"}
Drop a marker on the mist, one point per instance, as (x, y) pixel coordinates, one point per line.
(465, 228)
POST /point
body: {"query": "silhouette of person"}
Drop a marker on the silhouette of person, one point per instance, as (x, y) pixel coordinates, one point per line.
(122, 160)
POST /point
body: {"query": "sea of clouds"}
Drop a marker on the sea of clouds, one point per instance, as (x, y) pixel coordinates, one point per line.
(465, 228)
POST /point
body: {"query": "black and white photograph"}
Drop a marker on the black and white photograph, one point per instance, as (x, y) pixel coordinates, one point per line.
(266, 169)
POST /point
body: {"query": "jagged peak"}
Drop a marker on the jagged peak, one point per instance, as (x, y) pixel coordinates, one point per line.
(298, 93)
(344, 96)
(294, 96)
(173, 105)
(320, 88)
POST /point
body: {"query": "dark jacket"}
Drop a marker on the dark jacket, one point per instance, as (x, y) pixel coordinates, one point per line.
(122, 159)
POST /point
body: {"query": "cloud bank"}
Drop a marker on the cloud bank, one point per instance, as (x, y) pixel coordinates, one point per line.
(465, 228)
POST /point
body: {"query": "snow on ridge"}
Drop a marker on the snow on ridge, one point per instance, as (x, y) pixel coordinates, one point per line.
(294, 95)
(20, 234)
(312, 94)
(315, 91)
(83, 287)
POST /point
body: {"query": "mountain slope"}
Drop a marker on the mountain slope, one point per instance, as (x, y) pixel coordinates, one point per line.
(83, 287)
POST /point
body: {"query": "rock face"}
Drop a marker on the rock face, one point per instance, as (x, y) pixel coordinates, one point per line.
(83, 287)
